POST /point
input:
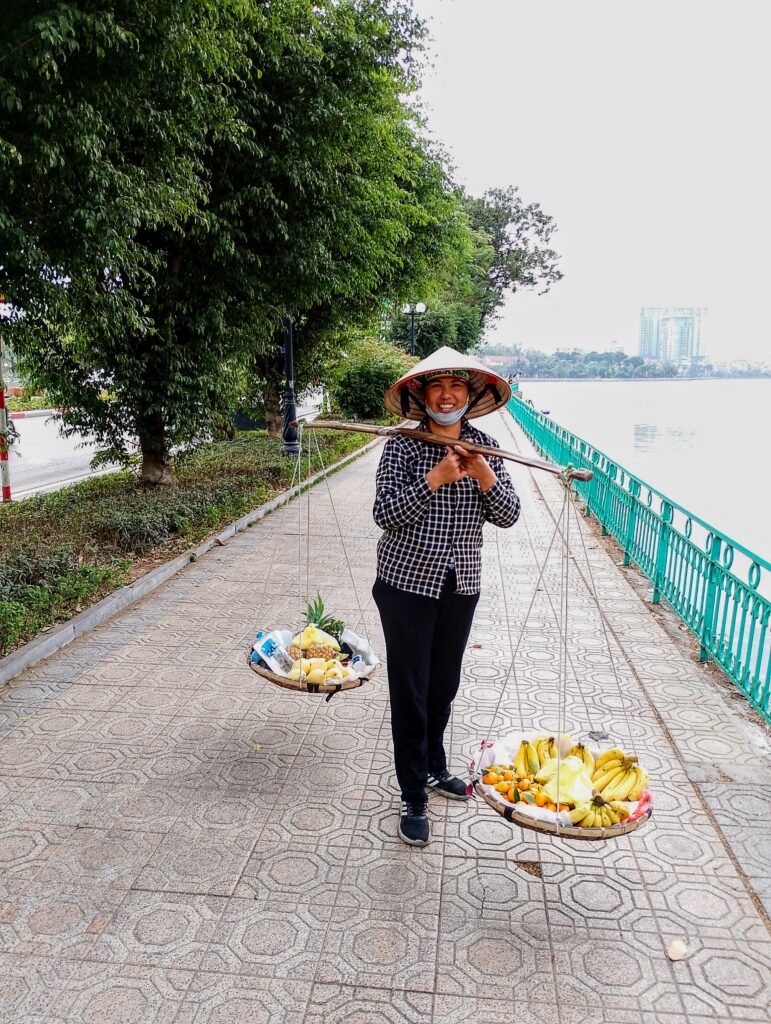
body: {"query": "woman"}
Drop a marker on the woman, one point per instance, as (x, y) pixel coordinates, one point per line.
(432, 503)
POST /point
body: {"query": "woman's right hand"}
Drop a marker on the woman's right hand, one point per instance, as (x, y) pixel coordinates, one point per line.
(448, 471)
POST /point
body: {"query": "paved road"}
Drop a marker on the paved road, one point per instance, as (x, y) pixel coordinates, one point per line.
(47, 461)
(181, 841)
(43, 460)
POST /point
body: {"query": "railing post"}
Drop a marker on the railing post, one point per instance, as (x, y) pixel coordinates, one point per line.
(661, 550)
(713, 552)
(631, 523)
(610, 477)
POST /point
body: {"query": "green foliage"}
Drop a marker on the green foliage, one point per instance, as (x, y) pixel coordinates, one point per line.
(574, 363)
(369, 369)
(62, 550)
(505, 249)
(35, 591)
(179, 175)
(28, 403)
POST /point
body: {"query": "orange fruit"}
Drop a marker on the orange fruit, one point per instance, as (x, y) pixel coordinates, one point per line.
(541, 799)
(508, 775)
(490, 779)
(524, 784)
(551, 807)
(502, 787)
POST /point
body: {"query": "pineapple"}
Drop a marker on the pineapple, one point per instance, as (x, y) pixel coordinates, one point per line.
(327, 623)
(320, 637)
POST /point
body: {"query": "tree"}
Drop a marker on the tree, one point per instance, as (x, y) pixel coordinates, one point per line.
(182, 175)
(507, 250)
(109, 110)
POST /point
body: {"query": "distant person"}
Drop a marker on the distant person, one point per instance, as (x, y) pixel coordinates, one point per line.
(431, 503)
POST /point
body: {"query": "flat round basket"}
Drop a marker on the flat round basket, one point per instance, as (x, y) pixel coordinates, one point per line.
(302, 687)
(563, 831)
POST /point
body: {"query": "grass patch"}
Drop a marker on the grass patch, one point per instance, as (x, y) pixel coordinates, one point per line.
(62, 551)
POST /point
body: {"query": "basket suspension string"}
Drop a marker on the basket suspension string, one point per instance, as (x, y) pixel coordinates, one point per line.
(563, 641)
(593, 591)
(309, 465)
(300, 522)
(515, 651)
(269, 574)
(360, 623)
(590, 715)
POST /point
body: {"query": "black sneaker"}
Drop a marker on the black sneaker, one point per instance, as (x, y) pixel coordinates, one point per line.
(448, 785)
(413, 826)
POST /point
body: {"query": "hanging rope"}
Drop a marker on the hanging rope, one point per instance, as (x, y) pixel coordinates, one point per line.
(360, 623)
(593, 591)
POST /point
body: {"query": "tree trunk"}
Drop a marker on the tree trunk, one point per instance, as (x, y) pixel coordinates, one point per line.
(156, 464)
(273, 415)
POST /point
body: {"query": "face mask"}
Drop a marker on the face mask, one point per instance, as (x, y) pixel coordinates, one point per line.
(446, 419)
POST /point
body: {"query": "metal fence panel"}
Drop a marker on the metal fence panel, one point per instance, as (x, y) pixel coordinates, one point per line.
(689, 562)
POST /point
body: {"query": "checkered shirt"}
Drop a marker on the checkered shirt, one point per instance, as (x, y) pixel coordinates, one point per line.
(423, 529)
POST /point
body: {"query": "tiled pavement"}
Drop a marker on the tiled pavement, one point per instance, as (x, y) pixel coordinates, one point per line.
(182, 843)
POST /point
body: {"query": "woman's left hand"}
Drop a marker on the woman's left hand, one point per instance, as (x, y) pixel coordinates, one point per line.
(478, 468)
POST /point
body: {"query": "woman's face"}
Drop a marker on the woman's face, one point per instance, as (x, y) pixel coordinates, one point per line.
(446, 394)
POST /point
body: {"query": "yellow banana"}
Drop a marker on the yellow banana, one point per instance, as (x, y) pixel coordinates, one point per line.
(623, 788)
(620, 809)
(616, 762)
(640, 784)
(532, 758)
(579, 812)
(618, 786)
(605, 780)
(520, 761)
(542, 750)
(609, 755)
(583, 752)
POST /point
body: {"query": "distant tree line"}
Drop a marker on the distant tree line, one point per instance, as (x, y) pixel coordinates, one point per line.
(575, 363)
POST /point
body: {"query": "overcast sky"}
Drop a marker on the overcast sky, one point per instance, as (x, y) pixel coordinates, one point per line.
(642, 128)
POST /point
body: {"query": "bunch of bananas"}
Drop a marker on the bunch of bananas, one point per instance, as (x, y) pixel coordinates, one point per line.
(527, 761)
(618, 777)
(599, 813)
(584, 753)
(533, 754)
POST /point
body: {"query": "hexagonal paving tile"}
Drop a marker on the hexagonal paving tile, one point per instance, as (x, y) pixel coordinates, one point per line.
(126, 994)
(235, 999)
(271, 938)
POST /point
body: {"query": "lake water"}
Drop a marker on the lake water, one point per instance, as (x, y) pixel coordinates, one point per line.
(703, 443)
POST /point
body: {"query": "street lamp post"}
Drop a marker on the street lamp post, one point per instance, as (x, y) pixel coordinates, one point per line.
(412, 311)
(291, 445)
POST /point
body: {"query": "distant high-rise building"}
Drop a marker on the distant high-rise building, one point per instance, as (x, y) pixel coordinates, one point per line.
(672, 333)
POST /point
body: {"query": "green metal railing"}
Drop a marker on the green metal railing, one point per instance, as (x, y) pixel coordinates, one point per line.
(693, 566)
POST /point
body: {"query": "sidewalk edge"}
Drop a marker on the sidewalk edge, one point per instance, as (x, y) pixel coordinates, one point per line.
(42, 646)
(28, 414)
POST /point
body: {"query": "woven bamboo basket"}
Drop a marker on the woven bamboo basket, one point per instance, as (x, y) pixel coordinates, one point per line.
(591, 835)
(300, 686)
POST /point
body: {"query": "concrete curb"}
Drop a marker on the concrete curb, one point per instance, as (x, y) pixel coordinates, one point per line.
(43, 646)
(33, 413)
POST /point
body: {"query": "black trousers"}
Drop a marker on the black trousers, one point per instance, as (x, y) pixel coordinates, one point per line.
(425, 639)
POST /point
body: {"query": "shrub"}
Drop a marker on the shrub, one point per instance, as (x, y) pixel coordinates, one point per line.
(63, 550)
(370, 369)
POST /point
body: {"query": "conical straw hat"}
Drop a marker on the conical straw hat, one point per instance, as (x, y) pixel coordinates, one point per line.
(400, 397)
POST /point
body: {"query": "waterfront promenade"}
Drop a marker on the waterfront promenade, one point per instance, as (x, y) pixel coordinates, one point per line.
(183, 843)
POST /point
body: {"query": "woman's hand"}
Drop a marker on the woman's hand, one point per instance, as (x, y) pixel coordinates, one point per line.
(449, 470)
(478, 468)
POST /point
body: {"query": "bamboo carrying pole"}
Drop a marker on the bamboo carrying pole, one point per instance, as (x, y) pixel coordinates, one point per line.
(449, 442)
